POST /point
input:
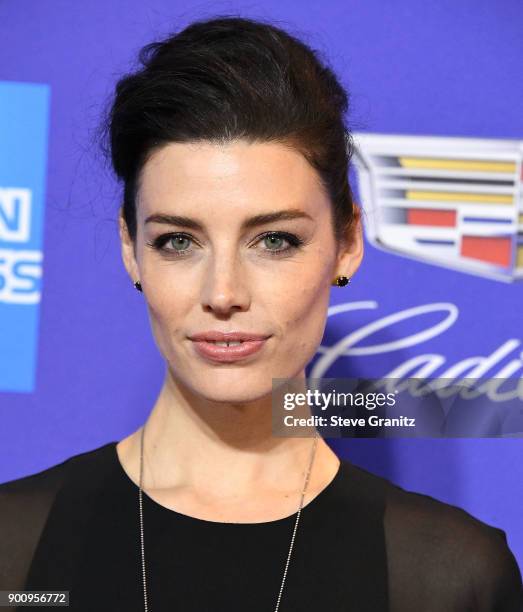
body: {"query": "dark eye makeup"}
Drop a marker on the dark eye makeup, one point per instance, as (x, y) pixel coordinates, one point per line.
(293, 243)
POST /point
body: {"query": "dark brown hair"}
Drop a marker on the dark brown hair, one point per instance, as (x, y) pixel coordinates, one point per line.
(232, 78)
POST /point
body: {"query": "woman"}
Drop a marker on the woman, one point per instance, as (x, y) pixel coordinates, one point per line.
(237, 219)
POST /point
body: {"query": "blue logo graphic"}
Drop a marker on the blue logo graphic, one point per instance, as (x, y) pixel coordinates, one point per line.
(24, 119)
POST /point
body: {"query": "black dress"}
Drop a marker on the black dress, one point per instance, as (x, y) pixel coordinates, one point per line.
(363, 544)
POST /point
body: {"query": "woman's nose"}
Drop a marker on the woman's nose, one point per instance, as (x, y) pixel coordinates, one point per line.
(225, 287)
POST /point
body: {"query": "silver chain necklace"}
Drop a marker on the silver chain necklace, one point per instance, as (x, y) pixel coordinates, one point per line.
(142, 546)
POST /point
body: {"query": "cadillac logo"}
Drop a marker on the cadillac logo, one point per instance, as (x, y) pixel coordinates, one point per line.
(453, 202)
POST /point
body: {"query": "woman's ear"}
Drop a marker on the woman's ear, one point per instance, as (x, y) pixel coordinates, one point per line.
(350, 253)
(128, 248)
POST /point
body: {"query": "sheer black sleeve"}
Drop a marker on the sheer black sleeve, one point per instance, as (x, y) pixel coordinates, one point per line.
(25, 504)
(442, 559)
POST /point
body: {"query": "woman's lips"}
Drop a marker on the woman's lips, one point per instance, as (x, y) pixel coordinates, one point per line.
(235, 352)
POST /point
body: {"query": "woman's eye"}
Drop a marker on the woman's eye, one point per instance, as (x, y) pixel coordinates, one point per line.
(275, 240)
(178, 244)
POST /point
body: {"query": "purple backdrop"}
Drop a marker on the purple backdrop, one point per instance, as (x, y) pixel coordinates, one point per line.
(432, 68)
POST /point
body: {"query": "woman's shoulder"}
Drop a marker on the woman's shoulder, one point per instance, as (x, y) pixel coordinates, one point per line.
(449, 527)
(56, 472)
(421, 514)
(26, 503)
(52, 477)
(440, 547)
(36, 481)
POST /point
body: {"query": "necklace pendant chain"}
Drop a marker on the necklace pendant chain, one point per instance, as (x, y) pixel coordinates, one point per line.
(289, 554)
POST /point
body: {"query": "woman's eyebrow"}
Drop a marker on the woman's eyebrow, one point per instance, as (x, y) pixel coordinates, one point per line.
(261, 219)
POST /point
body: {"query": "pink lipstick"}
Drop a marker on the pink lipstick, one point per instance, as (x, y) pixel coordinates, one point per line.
(227, 346)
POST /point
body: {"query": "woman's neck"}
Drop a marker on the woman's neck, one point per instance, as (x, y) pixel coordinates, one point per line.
(208, 458)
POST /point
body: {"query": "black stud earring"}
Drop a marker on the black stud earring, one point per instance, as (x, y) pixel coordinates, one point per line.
(341, 281)
(138, 285)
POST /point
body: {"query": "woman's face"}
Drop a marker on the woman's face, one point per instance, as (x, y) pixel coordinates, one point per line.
(206, 261)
